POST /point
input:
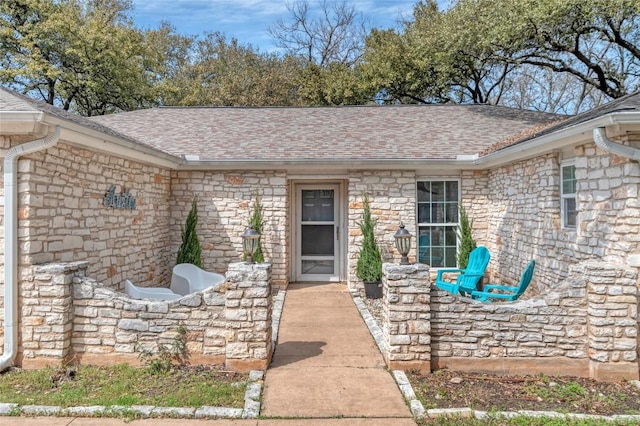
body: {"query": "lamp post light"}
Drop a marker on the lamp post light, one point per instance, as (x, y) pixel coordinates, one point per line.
(250, 240)
(403, 243)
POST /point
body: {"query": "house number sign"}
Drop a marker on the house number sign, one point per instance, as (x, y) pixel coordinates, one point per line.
(124, 200)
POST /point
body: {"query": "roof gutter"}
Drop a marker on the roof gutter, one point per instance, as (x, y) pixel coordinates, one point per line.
(11, 241)
(601, 140)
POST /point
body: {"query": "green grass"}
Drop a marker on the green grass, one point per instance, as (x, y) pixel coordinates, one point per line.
(123, 385)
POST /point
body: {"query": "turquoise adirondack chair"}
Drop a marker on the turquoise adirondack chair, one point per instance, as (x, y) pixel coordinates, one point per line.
(508, 293)
(468, 278)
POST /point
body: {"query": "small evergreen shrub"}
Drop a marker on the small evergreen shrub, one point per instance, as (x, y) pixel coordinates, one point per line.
(190, 251)
(369, 267)
(466, 243)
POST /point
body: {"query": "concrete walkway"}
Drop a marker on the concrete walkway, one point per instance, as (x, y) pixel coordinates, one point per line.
(326, 364)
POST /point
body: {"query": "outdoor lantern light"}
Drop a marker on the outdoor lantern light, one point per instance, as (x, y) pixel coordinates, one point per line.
(250, 243)
(403, 243)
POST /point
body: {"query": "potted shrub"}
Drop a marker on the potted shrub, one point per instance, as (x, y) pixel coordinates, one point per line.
(369, 268)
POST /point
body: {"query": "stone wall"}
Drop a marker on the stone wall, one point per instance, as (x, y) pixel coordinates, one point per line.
(392, 197)
(524, 214)
(475, 196)
(524, 223)
(62, 217)
(407, 316)
(608, 203)
(225, 201)
(67, 316)
(584, 326)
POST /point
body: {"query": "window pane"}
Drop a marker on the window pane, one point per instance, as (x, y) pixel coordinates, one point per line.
(570, 212)
(437, 239)
(452, 191)
(437, 213)
(437, 191)
(317, 240)
(437, 257)
(424, 213)
(424, 191)
(452, 213)
(569, 180)
(438, 205)
(317, 205)
(450, 254)
(323, 267)
(450, 236)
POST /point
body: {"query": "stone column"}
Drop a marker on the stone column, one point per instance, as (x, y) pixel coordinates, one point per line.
(407, 316)
(47, 313)
(248, 315)
(612, 296)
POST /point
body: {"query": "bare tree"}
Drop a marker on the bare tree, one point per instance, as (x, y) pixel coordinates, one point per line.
(335, 35)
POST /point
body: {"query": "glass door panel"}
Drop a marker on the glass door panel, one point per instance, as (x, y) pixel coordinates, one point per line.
(317, 233)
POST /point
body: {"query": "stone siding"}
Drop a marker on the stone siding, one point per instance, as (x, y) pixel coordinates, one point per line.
(67, 316)
(524, 215)
(608, 205)
(62, 217)
(524, 223)
(392, 197)
(475, 196)
(225, 201)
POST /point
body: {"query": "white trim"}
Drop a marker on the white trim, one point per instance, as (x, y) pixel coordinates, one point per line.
(331, 177)
(436, 224)
(339, 231)
(563, 196)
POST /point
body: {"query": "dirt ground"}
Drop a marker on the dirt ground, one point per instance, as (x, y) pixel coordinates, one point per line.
(446, 389)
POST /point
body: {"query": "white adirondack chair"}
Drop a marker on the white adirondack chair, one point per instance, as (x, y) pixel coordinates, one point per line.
(187, 278)
(153, 293)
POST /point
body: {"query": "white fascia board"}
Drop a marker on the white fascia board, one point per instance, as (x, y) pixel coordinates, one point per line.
(580, 133)
(321, 166)
(20, 122)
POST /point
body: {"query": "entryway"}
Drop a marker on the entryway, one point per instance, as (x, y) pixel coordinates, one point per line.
(318, 236)
(326, 363)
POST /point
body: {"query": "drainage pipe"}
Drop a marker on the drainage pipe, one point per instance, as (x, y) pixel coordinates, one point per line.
(11, 241)
(601, 140)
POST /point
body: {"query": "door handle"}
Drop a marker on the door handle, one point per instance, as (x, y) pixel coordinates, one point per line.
(338, 233)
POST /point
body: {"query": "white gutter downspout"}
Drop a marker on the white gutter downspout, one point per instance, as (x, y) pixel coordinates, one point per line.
(601, 140)
(11, 241)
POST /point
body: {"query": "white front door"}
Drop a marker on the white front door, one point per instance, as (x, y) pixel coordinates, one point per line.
(317, 238)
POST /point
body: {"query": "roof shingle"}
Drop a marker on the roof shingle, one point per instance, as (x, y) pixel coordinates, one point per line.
(312, 133)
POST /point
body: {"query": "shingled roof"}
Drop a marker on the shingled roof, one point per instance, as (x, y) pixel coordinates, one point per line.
(17, 102)
(630, 102)
(324, 133)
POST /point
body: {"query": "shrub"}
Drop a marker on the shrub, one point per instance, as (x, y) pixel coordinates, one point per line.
(190, 251)
(166, 357)
(466, 243)
(369, 268)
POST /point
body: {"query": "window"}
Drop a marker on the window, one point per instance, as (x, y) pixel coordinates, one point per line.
(568, 195)
(437, 222)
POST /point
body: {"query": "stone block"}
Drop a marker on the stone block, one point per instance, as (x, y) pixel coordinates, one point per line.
(133, 324)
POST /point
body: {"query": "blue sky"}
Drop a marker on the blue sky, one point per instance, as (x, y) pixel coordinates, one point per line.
(249, 20)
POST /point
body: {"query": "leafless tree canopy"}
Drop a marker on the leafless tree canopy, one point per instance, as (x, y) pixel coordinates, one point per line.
(336, 35)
